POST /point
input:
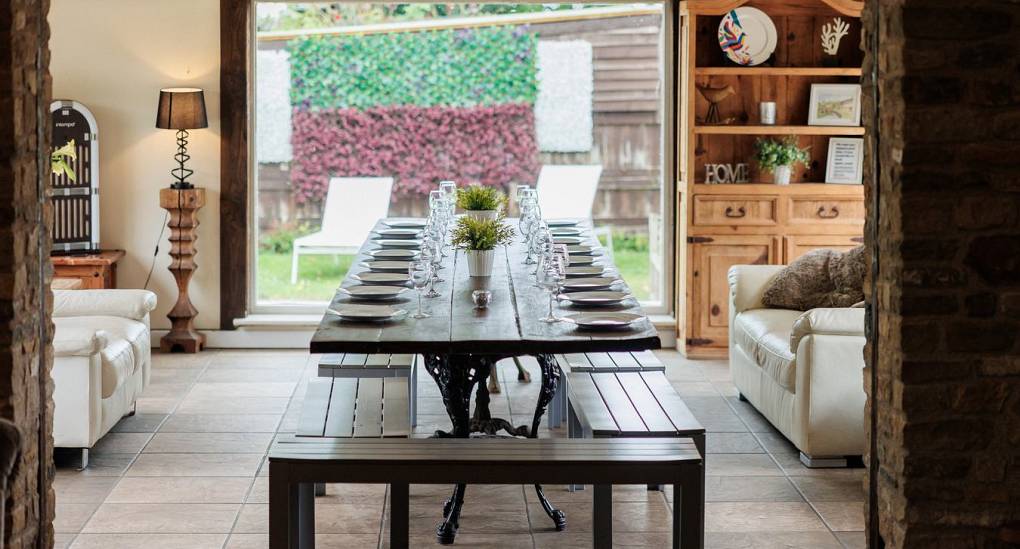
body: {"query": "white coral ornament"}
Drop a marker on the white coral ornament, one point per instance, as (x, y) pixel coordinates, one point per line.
(832, 33)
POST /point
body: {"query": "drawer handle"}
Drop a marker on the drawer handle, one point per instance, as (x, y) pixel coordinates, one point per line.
(832, 214)
(738, 213)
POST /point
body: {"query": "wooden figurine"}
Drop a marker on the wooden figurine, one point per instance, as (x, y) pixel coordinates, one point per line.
(183, 205)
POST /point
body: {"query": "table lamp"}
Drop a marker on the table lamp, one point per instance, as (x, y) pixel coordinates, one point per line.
(181, 109)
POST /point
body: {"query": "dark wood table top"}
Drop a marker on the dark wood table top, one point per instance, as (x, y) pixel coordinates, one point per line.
(510, 326)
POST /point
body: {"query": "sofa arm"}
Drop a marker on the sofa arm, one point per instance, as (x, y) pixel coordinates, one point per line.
(74, 341)
(133, 304)
(747, 284)
(842, 321)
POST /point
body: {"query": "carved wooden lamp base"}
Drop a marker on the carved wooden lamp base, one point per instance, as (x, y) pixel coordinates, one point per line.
(183, 205)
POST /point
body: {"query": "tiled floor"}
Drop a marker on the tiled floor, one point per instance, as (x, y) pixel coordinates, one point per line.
(188, 471)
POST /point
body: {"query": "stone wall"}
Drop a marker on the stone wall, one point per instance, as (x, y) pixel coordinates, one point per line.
(948, 286)
(24, 108)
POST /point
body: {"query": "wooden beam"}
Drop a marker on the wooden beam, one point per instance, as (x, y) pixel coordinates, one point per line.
(235, 40)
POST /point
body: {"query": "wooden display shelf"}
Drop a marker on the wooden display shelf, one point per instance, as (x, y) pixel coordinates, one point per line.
(772, 188)
(778, 71)
(779, 130)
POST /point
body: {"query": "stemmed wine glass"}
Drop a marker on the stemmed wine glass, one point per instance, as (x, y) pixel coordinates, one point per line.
(549, 279)
(421, 277)
(449, 189)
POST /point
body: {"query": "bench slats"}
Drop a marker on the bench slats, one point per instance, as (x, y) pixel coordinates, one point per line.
(395, 408)
(672, 404)
(331, 360)
(627, 418)
(367, 412)
(655, 419)
(340, 422)
(354, 359)
(648, 360)
(590, 403)
(576, 362)
(401, 361)
(625, 362)
(377, 361)
(313, 414)
(601, 362)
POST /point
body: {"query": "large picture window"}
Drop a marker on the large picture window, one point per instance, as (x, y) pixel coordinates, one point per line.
(408, 95)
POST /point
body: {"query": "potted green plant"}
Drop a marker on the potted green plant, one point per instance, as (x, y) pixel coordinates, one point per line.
(779, 156)
(480, 202)
(479, 238)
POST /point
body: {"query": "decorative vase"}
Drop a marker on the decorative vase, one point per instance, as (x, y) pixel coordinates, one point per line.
(781, 175)
(482, 215)
(480, 262)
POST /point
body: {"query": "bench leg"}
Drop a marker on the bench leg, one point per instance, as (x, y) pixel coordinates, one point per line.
(573, 431)
(689, 511)
(602, 516)
(320, 489)
(306, 515)
(283, 499)
(399, 516)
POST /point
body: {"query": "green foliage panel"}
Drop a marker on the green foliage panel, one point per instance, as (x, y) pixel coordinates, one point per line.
(456, 67)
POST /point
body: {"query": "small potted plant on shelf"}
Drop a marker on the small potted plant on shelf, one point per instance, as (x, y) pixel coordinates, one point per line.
(779, 156)
(480, 202)
(479, 238)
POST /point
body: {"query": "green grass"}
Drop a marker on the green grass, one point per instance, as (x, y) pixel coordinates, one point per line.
(320, 275)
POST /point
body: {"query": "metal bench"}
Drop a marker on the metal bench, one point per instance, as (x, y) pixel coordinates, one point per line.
(294, 462)
(375, 366)
(638, 361)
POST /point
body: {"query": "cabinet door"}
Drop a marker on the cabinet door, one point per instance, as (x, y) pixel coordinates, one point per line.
(711, 263)
(796, 246)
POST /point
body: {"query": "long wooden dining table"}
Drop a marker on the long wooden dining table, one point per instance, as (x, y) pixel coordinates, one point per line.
(461, 344)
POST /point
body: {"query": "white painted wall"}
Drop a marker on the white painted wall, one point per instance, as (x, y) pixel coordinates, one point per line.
(114, 56)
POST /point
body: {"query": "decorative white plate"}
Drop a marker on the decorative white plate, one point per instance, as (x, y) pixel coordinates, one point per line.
(367, 313)
(589, 284)
(604, 321)
(394, 254)
(387, 266)
(584, 250)
(392, 279)
(562, 222)
(410, 243)
(374, 293)
(582, 260)
(584, 272)
(569, 240)
(405, 223)
(403, 234)
(566, 231)
(747, 36)
(596, 298)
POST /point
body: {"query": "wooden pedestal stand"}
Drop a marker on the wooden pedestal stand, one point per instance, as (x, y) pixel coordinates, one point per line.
(183, 205)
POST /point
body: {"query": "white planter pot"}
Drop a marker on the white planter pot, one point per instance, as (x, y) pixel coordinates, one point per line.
(782, 175)
(480, 262)
(482, 214)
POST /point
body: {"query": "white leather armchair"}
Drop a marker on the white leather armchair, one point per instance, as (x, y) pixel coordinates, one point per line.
(802, 370)
(102, 360)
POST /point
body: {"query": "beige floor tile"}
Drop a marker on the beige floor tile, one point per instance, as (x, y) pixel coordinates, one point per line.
(71, 517)
(761, 517)
(195, 465)
(836, 487)
(253, 519)
(139, 423)
(650, 516)
(74, 487)
(234, 405)
(165, 390)
(750, 489)
(467, 539)
(853, 540)
(771, 540)
(149, 541)
(62, 541)
(106, 465)
(146, 405)
(204, 389)
(322, 541)
(179, 360)
(221, 423)
(174, 375)
(180, 490)
(559, 492)
(121, 443)
(732, 443)
(424, 498)
(210, 443)
(355, 494)
(260, 375)
(162, 518)
(259, 358)
(741, 465)
(345, 518)
(695, 388)
(583, 540)
(842, 516)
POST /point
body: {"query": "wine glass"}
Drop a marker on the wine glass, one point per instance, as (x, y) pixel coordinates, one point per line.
(549, 279)
(421, 276)
(449, 189)
(436, 202)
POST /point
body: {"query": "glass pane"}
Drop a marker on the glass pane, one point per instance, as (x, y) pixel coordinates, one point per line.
(565, 96)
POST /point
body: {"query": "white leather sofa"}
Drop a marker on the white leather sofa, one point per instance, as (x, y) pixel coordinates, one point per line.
(802, 370)
(101, 363)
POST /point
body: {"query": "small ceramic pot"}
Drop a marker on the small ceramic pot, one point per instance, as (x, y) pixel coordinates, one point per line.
(480, 262)
(781, 175)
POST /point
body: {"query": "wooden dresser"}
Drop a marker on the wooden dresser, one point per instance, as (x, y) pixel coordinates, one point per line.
(95, 271)
(758, 222)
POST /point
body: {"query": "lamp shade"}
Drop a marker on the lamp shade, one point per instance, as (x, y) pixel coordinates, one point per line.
(181, 109)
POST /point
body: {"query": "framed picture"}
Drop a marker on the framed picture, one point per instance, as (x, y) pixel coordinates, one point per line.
(846, 161)
(835, 105)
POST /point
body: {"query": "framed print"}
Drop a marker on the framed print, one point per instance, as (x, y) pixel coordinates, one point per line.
(846, 161)
(835, 105)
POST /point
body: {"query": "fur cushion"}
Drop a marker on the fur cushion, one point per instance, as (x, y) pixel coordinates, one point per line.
(820, 278)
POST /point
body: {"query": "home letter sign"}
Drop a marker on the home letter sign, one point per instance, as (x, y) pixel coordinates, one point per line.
(726, 173)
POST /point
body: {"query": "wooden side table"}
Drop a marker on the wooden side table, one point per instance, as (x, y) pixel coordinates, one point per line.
(96, 271)
(183, 205)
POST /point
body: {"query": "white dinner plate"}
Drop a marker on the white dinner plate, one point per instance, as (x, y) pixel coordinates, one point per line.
(582, 260)
(601, 298)
(387, 266)
(562, 222)
(402, 234)
(367, 313)
(587, 271)
(604, 320)
(409, 243)
(405, 223)
(374, 293)
(568, 240)
(394, 254)
(747, 36)
(390, 279)
(584, 250)
(589, 284)
(566, 231)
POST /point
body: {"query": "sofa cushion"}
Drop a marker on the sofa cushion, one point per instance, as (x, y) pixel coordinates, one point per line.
(123, 352)
(764, 334)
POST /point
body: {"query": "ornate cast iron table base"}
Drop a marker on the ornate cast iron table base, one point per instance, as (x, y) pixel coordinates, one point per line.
(456, 376)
